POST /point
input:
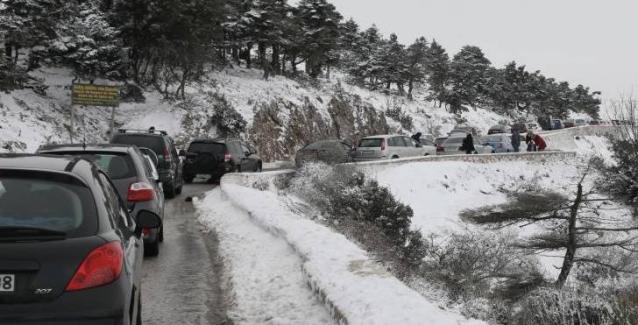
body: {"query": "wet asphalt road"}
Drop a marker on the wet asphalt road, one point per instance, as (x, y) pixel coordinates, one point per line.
(181, 285)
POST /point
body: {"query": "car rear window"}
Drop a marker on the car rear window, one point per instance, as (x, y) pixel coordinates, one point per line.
(57, 203)
(454, 140)
(371, 143)
(217, 149)
(154, 143)
(115, 165)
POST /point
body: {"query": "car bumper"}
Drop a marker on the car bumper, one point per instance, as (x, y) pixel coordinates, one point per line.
(103, 305)
(217, 170)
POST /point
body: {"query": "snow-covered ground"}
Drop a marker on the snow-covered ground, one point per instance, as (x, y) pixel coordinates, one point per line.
(263, 271)
(32, 120)
(356, 289)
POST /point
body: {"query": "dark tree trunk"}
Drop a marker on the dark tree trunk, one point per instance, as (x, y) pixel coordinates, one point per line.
(235, 54)
(248, 55)
(261, 54)
(410, 88)
(276, 68)
(572, 244)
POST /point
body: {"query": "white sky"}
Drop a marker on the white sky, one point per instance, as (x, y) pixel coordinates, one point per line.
(594, 43)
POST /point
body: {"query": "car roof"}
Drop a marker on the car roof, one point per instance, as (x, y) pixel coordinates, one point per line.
(115, 148)
(78, 166)
(383, 136)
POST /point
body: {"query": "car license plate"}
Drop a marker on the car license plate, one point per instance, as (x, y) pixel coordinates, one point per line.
(7, 282)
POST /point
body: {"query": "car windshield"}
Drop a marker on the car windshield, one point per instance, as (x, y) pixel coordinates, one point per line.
(154, 143)
(46, 204)
(203, 147)
(371, 143)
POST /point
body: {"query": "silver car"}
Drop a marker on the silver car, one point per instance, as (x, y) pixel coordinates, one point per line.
(390, 147)
(452, 145)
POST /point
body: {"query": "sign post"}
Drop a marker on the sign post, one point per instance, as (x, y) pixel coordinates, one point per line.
(96, 95)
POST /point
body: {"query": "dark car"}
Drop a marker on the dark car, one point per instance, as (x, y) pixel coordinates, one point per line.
(327, 151)
(70, 252)
(519, 127)
(497, 129)
(218, 157)
(133, 177)
(169, 166)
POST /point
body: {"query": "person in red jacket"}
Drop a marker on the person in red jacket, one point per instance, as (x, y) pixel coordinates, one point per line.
(539, 142)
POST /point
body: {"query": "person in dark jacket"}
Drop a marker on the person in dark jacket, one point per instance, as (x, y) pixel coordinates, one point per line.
(516, 140)
(417, 137)
(468, 144)
(539, 142)
(529, 140)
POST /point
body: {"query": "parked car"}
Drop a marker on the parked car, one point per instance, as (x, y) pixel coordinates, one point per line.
(569, 124)
(327, 151)
(497, 129)
(452, 145)
(500, 143)
(580, 122)
(169, 164)
(557, 124)
(70, 252)
(595, 122)
(218, 157)
(520, 127)
(533, 126)
(134, 177)
(438, 143)
(390, 147)
(465, 129)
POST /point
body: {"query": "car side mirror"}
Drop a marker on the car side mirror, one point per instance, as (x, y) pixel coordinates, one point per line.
(182, 153)
(147, 219)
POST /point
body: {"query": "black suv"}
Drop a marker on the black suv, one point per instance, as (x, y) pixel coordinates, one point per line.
(169, 165)
(217, 157)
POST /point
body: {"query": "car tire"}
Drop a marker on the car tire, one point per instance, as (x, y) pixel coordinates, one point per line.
(395, 157)
(151, 249)
(170, 191)
(178, 190)
(259, 168)
(160, 237)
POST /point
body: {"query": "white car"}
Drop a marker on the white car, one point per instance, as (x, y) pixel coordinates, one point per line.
(391, 147)
(499, 142)
(452, 146)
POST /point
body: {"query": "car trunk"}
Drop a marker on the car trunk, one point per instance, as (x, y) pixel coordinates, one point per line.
(370, 148)
(206, 157)
(42, 269)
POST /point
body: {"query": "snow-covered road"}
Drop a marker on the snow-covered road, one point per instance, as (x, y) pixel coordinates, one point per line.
(263, 272)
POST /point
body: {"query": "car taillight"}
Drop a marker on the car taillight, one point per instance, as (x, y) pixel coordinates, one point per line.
(102, 266)
(167, 155)
(440, 148)
(140, 192)
(227, 156)
(382, 144)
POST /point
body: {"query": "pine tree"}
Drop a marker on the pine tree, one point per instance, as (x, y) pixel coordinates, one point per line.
(468, 72)
(417, 60)
(438, 69)
(320, 23)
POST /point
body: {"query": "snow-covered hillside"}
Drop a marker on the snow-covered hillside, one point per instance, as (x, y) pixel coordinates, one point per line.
(28, 120)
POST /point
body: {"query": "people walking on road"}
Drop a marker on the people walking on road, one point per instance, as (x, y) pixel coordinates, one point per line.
(417, 137)
(539, 142)
(468, 144)
(529, 140)
(516, 140)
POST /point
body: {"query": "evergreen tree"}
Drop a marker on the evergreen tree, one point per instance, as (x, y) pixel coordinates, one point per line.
(392, 59)
(438, 68)
(468, 72)
(417, 58)
(320, 24)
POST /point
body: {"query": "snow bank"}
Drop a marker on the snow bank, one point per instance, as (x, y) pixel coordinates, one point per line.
(358, 290)
(264, 272)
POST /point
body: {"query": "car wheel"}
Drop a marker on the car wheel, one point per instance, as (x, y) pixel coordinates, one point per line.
(238, 169)
(178, 190)
(151, 249)
(169, 191)
(189, 179)
(259, 168)
(395, 157)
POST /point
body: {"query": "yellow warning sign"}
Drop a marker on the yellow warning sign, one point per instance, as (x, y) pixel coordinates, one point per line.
(95, 95)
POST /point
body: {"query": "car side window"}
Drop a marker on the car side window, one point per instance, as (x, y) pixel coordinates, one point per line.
(115, 205)
(244, 148)
(408, 142)
(172, 149)
(394, 142)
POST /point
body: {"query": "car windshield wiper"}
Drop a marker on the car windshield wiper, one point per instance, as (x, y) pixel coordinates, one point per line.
(12, 233)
